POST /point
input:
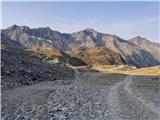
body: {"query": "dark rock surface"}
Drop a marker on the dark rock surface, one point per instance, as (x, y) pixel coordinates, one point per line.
(19, 67)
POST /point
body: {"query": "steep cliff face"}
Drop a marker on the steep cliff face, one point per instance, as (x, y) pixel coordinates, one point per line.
(9, 42)
(36, 38)
(151, 47)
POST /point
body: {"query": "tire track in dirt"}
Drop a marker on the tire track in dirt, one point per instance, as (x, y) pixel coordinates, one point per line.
(115, 97)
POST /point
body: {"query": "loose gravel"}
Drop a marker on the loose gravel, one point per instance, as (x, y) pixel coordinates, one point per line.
(79, 100)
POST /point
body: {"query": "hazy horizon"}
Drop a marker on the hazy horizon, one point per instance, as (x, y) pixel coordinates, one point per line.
(125, 19)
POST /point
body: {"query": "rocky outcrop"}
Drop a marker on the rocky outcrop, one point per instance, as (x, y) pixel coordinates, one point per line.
(9, 42)
(151, 47)
(37, 37)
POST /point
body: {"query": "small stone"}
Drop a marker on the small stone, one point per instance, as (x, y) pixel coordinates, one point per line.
(29, 71)
(54, 79)
(55, 109)
(63, 109)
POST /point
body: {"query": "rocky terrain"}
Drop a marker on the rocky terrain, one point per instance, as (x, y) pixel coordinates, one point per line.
(35, 38)
(7, 41)
(91, 95)
(134, 53)
(22, 67)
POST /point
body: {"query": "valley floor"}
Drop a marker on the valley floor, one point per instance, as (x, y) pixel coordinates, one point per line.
(90, 96)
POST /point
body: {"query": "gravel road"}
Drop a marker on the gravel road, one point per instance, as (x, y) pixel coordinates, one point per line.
(126, 106)
(91, 96)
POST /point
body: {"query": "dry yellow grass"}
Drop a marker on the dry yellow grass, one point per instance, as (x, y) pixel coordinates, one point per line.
(49, 52)
(98, 55)
(155, 71)
(147, 71)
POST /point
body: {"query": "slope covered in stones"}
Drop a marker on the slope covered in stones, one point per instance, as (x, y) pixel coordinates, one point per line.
(22, 67)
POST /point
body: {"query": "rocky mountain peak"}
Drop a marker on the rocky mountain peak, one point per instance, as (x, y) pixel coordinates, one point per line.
(24, 27)
(19, 28)
(45, 28)
(90, 30)
(139, 37)
(13, 26)
(139, 40)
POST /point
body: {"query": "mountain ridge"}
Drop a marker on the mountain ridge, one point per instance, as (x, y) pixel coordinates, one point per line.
(140, 55)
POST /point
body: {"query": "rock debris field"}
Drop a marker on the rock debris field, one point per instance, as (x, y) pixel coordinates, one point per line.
(90, 96)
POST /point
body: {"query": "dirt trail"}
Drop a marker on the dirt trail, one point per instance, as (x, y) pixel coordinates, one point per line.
(113, 100)
(125, 105)
(146, 103)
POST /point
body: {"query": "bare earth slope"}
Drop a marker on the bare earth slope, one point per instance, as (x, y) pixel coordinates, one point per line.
(98, 56)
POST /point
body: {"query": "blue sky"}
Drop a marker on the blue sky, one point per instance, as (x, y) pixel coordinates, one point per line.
(126, 19)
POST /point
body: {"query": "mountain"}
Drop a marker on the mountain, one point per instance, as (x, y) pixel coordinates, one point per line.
(136, 54)
(88, 38)
(38, 37)
(151, 47)
(98, 56)
(7, 41)
(132, 53)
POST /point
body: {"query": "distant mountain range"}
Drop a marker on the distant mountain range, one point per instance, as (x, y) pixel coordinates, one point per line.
(137, 51)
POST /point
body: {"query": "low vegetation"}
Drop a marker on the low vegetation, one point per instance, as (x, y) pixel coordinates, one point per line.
(98, 56)
(150, 81)
(53, 54)
(122, 69)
